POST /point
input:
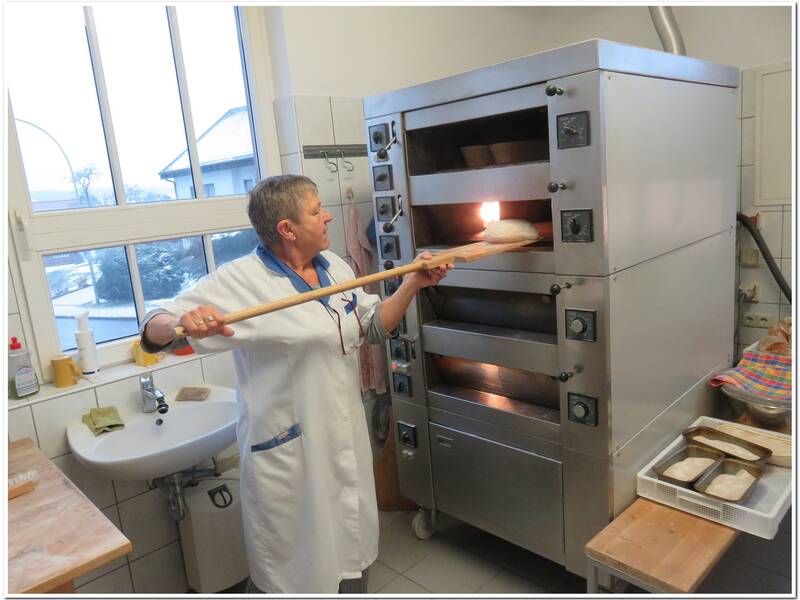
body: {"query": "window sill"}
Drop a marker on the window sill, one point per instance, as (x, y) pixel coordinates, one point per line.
(108, 375)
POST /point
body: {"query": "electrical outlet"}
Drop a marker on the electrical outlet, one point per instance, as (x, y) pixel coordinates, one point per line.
(749, 258)
(757, 320)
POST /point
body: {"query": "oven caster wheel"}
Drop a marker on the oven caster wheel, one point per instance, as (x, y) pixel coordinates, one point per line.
(421, 525)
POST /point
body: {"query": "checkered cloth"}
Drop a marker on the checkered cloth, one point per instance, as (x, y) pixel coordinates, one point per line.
(761, 373)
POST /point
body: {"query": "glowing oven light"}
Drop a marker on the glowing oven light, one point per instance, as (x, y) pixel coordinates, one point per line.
(490, 212)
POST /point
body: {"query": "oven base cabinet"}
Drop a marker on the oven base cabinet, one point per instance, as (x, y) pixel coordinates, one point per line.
(536, 383)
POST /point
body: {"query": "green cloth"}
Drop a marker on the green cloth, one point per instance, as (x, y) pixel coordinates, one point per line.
(100, 420)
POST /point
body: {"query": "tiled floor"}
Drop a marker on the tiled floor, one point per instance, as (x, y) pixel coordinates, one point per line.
(460, 559)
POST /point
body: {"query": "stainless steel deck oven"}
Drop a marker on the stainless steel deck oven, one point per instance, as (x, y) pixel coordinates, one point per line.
(529, 387)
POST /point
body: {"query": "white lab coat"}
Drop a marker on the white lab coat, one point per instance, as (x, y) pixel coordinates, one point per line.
(307, 489)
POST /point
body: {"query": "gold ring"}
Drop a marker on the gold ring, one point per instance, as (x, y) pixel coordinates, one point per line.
(209, 319)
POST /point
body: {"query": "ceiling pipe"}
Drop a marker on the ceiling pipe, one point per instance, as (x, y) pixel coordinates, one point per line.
(667, 29)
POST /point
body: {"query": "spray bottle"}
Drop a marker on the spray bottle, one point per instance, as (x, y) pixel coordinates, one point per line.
(22, 380)
(87, 349)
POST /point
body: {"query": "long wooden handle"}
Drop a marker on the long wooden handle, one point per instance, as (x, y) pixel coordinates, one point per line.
(468, 253)
(263, 309)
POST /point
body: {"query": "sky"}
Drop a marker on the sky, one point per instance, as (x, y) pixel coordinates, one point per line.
(51, 85)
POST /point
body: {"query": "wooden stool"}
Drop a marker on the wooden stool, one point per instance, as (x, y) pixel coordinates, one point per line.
(658, 548)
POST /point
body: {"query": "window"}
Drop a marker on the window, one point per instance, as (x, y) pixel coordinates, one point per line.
(110, 139)
(247, 184)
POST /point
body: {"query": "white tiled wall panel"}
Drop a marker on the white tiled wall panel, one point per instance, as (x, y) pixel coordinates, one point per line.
(97, 488)
(173, 378)
(290, 164)
(125, 395)
(286, 125)
(128, 489)
(348, 120)
(327, 179)
(147, 523)
(748, 152)
(20, 424)
(219, 369)
(786, 235)
(116, 582)
(314, 123)
(160, 572)
(52, 417)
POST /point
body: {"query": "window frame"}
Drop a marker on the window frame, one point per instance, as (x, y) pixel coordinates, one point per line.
(35, 235)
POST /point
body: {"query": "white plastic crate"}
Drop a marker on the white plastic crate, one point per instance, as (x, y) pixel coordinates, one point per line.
(760, 514)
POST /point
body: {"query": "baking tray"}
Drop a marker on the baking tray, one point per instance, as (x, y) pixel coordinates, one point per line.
(759, 514)
(715, 434)
(687, 451)
(730, 466)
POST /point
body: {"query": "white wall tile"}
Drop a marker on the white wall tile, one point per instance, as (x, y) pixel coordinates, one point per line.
(314, 123)
(20, 424)
(750, 335)
(355, 179)
(319, 170)
(146, 523)
(748, 147)
(53, 416)
(336, 231)
(786, 234)
(124, 394)
(348, 120)
(748, 93)
(161, 572)
(113, 516)
(220, 370)
(116, 582)
(786, 269)
(769, 225)
(128, 489)
(748, 189)
(290, 164)
(286, 125)
(13, 307)
(96, 487)
(786, 310)
(15, 330)
(173, 378)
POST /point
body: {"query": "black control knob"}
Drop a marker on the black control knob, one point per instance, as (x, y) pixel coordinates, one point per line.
(404, 436)
(388, 265)
(555, 289)
(377, 137)
(574, 226)
(388, 227)
(552, 90)
(401, 387)
(565, 376)
(554, 186)
(383, 154)
(383, 209)
(387, 247)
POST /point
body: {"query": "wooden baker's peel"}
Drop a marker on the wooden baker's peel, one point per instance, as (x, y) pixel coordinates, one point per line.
(459, 254)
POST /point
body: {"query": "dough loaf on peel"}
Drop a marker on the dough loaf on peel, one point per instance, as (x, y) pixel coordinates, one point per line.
(510, 230)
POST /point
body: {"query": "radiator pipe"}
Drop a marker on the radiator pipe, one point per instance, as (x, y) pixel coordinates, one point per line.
(667, 29)
(762, 245)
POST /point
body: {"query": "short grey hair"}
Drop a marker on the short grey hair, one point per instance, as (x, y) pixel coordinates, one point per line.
(274, 199)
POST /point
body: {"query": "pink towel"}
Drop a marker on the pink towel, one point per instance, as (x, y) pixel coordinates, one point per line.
(372, 356)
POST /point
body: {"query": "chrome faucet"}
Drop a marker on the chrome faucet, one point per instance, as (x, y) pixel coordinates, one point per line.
(152, 397)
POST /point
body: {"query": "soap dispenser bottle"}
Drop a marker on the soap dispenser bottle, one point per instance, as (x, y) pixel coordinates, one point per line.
(87, 349)
(22, 380)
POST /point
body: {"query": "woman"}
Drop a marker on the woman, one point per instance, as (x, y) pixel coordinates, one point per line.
(308, 497)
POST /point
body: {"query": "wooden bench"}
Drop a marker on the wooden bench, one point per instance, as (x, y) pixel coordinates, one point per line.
(658, 548)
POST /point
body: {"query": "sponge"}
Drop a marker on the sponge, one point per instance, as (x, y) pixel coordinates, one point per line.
(193, 393)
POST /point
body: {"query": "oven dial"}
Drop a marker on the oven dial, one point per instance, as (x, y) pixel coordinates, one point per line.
(579, 409)
(578, 326)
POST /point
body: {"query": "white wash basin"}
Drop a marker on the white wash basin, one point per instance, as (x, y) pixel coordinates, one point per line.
(190, 434)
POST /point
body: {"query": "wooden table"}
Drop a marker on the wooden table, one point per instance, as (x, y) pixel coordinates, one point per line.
(659, 548)
(55, 533)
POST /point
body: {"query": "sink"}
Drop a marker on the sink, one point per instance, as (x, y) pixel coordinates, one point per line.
(189, 434)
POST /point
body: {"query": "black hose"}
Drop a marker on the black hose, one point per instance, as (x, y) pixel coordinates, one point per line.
(762, 245)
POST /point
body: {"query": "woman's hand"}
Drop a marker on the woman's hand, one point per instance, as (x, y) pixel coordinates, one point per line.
(204, 321)
(423, 279)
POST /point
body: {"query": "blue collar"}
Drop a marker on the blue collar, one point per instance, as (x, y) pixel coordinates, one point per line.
(277, 266)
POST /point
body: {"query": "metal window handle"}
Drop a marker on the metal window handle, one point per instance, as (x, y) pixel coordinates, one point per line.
(552, 90)
(554, 186)
(332, 166)
(347, 164)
